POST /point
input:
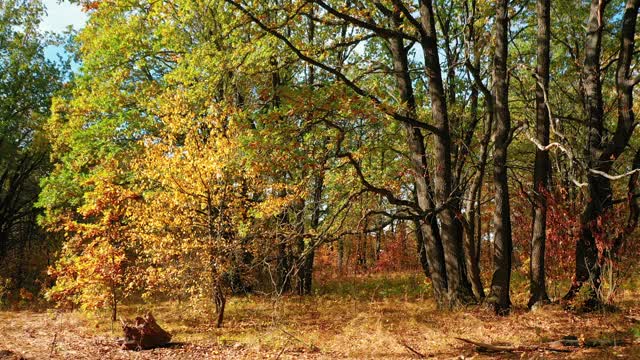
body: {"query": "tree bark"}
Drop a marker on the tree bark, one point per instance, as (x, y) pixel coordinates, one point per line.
(542, 166)
(499, 297)
(458, 288)
(145, 333)
(471, 243)
(305, 272)
(428, 225)
(601, 156)
(587, 268)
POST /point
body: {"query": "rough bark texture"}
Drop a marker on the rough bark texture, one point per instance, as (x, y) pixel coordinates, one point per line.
(220, 301)
(587, 268)
(145, 333)
(307, 246)
(600, 154)
(458, 288)
(542, 167)
(428, 226)
(422, 250)
(499, 297)
(471, 243)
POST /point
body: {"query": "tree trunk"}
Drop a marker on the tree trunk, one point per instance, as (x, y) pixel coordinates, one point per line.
(283, 267)
(305, 277)
(601, 155)
(499, 297)
(542, 166)
(220, 301)
(302, 244)
(428, 225)
(587, 268)
(458, 288)
(422, 250)
(340, 254)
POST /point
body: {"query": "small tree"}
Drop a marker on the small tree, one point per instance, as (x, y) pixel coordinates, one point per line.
(94, 270)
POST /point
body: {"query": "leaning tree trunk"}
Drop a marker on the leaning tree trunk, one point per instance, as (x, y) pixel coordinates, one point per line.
(499, 297)
(542, 166)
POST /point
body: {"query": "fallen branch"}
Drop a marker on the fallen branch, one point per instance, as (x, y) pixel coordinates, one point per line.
(484, 347)
(412, 350)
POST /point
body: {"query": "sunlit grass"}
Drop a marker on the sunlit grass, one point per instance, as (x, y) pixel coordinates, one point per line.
(364, 316)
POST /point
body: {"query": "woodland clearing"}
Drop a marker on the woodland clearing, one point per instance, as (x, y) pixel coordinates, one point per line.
(351, 318)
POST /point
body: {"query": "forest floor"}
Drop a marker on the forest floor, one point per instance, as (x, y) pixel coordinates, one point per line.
(379, 316)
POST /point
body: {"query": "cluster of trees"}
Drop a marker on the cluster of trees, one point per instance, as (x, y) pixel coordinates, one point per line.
(212, 146)
(27, 82)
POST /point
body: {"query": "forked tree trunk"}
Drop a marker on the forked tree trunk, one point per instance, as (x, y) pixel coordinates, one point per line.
(458, 288)
(434, 254)
(600, 154)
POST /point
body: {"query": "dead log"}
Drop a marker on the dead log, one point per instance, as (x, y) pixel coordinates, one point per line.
(145, 333)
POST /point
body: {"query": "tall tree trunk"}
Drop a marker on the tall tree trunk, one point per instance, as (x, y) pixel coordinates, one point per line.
(587, 268)
(458, 288)
(428, 225)
(307, 246)
(499, 297)
(542, 167)
(471, 243)
(601, 156)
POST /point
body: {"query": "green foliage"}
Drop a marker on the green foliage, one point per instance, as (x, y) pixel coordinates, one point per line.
(198, 145)
(27, 82)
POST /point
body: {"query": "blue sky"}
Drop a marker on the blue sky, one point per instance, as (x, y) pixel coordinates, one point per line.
(61, 14)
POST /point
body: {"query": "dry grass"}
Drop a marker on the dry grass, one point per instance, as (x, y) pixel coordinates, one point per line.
(360, 320)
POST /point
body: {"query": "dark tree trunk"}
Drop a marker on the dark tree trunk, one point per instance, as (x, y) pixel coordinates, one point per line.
(4, 243)
(542, 167)
(499, 297)
(587, 268)
(220, 300)
(340, 254)
(458, 288)
(305, 275)
(471, 243)
(422, 250)
(309, 250)
(283, 267)
(428, 225)
(601, 155)
(302, 255)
